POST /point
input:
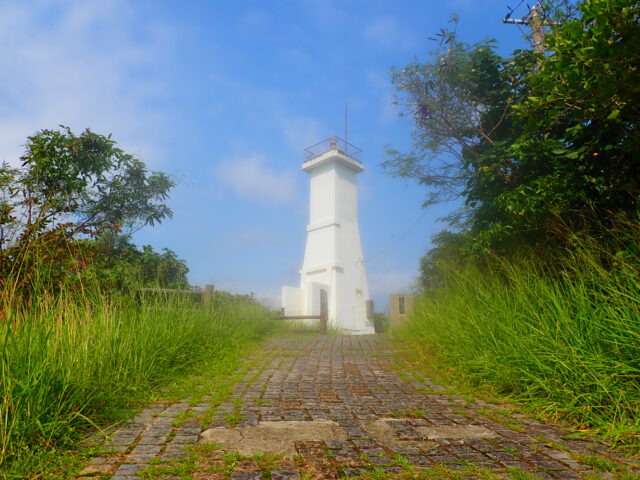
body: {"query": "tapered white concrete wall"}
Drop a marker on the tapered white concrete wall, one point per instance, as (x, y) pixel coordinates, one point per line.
(333, 254)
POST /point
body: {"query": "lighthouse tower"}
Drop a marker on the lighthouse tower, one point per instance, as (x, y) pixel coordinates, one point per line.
(333, 270)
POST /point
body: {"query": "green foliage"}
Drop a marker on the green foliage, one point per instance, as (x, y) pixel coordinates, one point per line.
(447, 251)
(81, 360)
(532, 141)
(70, 191)
(583, 111)
(569, 346)
(88, 176)
(120, 265)
(380, 322)
(460, 103)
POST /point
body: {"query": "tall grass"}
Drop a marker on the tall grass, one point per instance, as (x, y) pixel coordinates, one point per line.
(76, 360)
(569, 344)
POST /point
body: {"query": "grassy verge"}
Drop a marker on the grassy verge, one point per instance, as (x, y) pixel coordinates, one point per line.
(73, 363)
(569, 347)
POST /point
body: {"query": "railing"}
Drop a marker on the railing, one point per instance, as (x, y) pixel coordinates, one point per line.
(206, 293)
(333, 143)
(322, 324)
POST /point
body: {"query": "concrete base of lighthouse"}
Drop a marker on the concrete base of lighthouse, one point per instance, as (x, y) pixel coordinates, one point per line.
(347, 307)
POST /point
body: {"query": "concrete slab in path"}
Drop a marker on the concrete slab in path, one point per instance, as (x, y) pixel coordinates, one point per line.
(273, 437)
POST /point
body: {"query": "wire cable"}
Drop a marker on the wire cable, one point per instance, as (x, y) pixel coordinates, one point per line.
(395, 241)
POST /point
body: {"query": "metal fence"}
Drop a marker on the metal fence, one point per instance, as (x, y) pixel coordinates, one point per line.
(333, 143)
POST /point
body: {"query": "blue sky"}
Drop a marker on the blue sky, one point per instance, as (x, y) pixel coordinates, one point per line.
(225, 96)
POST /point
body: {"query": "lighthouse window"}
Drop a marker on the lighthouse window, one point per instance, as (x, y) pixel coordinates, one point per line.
(401, 305)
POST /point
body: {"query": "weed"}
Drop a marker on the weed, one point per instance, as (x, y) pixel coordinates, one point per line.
(599, 464)
(234, 418)
(566, 346)
(517, 474)
(412, 413)
(74, 363)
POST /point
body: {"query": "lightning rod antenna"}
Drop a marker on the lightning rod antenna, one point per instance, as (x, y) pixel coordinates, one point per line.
(346, 123)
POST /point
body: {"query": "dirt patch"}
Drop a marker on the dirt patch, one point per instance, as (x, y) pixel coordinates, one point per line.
(272, 437)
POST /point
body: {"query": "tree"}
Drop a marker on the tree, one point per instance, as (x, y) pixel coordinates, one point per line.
(531, 141)
(583, 107)
(119, 265)
(85, 181)
(71, 188)
(461, 103)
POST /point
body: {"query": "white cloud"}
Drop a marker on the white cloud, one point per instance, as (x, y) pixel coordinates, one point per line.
(81, 64)
(386, 32)
(251, 177)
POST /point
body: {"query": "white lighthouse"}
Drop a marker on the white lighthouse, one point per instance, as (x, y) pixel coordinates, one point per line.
(333, 270)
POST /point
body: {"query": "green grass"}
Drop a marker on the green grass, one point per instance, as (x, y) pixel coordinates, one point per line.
(568, 346)
(74, 362)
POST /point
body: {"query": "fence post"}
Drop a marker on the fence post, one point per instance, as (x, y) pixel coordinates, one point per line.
(207, 295)
(323, 323)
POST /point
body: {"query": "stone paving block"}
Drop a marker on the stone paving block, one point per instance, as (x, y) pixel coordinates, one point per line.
(420, 460)
(115, 448)
(565, 475)
(246, 476)
(189, 428)
(172, 447)
(549, 465)
(130, 468)
(284, 475)
(380, 460)
(146, 449)
(139, 457)
(152, 440)
(373, 451)
(185, 439)
(118, 441)
(503, 457)
(350, 472)
(444, 458)
(172, 455)
(365, 443)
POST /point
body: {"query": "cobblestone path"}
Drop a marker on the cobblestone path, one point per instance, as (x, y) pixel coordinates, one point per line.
(391, 425)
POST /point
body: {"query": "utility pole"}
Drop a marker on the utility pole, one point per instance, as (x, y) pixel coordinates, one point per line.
(536, 27)
(533, 21)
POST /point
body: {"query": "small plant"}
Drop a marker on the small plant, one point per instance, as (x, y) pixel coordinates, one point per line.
(518, 474)
(600, 464)
(403, 462)
(413, 413)
(234, 418)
